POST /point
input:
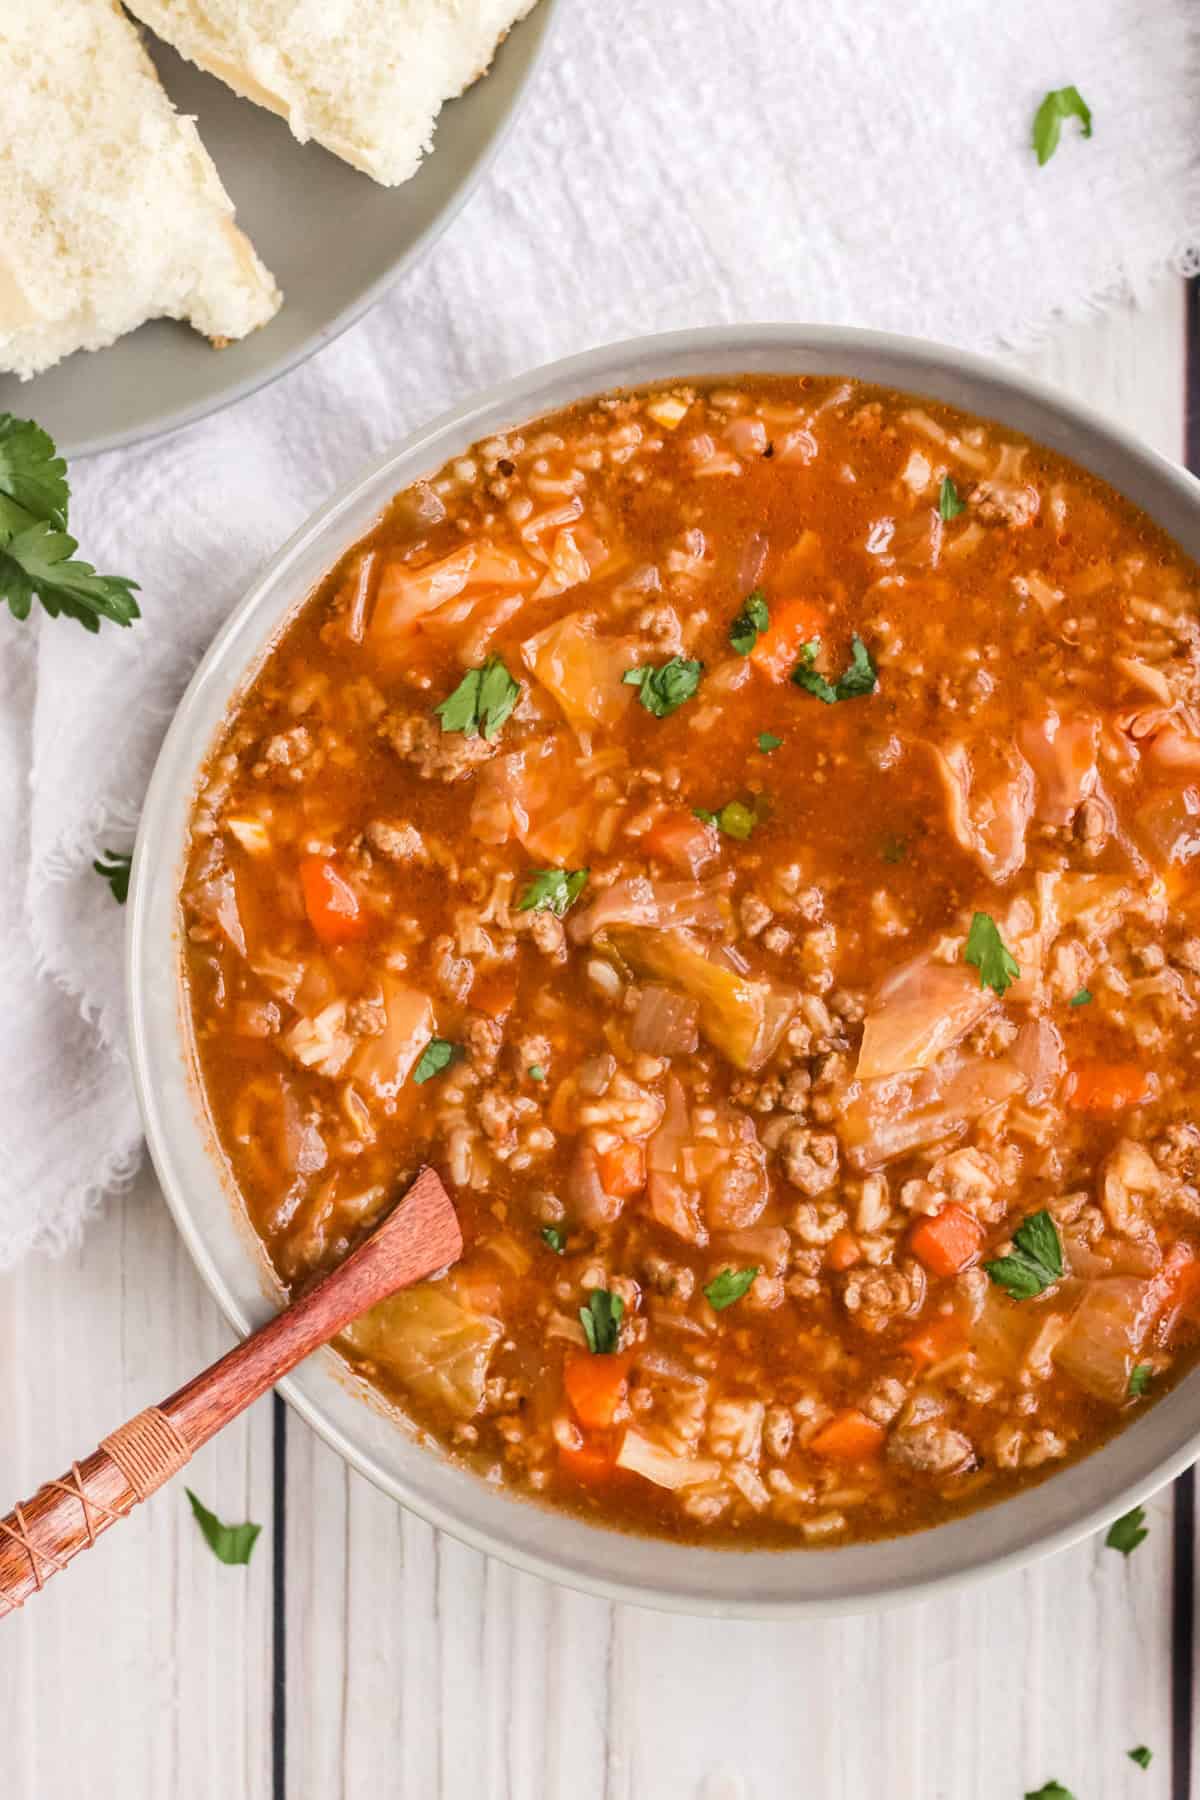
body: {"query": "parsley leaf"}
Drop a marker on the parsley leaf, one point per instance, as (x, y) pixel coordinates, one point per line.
(37, 560)
(1053, 1790)
(601, 1320)
(1059, 104)
(1127, 1532)
(860, 678)
(895, 849)
(729, 1286)
(536, 1072)
(1035, 1261)
(552, 890)
(1081, 998)
(735, 819)
(1140, 1377)
(664, 690)
(115, 869)
(31, 472)
(949, 504)
(985, 950)
(437, 1055)
(228, 1543)
(750, 623)
(1141, 1756)
(556, 1239)
(767, 743)
(481, 702)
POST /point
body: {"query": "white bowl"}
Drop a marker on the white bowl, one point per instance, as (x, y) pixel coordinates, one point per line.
(1080, 1499)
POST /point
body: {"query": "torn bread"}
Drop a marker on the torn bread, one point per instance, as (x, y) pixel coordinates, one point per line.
(111, 212)
(366, 78)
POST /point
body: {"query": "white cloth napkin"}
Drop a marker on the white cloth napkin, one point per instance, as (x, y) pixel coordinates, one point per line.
(856, 161)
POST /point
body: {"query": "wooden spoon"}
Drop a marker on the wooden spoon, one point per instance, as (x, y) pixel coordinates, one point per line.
(41, 1535)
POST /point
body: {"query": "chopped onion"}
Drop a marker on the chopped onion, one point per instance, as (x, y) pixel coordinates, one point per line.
(665, 1023)
(1105, 1335)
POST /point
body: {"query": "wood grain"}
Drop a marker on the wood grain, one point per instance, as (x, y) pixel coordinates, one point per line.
(418, 1670)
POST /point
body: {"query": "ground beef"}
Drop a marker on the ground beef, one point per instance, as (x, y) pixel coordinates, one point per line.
(396, 841)
(809, 1159)
(876, 1297)
(436, 755)
(1005, 503)
(930, 1447)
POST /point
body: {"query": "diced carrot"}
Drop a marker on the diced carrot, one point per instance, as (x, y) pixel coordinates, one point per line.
(596, 1386)
(849, 1437)
(687, 843)
(794, 623)
(1177, 1286)
(494, 994)
(935, 1340)
(623, 1169)
(947, 1241)
(1105, 1087)
(331, 903)
(593, 1461)
(844, 1251)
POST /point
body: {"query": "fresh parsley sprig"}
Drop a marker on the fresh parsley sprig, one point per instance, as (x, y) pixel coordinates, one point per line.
(115, 868)
(601, 1321)
(229, 1543)
(481, 702)
(985, 951)
(729, 1286)
(1127, 1532)
(1059, 104)
(949, 502)
(750, 623)
(1035, 1261)
(664, 690)
(860, 678)
(437, 1055)
(735, 818)
(552, 890)
(37, 553)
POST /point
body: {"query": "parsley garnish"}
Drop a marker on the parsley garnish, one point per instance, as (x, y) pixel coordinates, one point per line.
(437, 1055)
(536, 1072)
(1053, 1790)
(735, 819)
(1141, 1756)
(767, 743)
(985, 951)
(1140, 1377)
(1082, 997)
(860, 678)
(750, 623)
(552, 890)
(601, 1320)
(228, 1543)
(556, 1239)
(115, 867)
(1127, 1532)
(729, 1286)
(949, 504)
(664, 690)
(36, 550)
(1035, 1261)
(895, 849)
(1059, 104)
(481, 702)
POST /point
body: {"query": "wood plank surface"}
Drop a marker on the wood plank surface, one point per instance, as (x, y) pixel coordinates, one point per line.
(415, 1669)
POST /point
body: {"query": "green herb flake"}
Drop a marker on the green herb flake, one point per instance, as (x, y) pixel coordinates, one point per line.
(985, 951)
(1141, 1756)
(860, 678)
(437, 1055)
(894, 850)
(750, 623)
(601, 1320)
(735, 819)
(1140, 1377)
(114, 866)
(536, 1072)
(1083, 997)
(552, 890)
(1127, 1532)
(556, 1239)
(1035, 1261)
(728, 1286)
(229, 1543)
(767, 743)
(949, 503)
(664, 690)
(1053, 1790)
(481, 702)
(1059, 104)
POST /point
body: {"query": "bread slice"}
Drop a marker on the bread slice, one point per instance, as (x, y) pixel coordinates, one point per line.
(366, 78)
(111, 212)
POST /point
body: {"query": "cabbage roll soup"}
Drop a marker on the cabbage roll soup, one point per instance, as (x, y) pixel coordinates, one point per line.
(742, 837)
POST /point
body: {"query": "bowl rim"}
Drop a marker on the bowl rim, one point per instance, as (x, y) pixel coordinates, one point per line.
(774, 1584)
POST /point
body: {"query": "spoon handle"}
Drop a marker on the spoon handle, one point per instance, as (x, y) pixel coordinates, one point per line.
(40, 1536)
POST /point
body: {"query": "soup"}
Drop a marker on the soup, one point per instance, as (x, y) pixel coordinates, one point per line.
(740, 835)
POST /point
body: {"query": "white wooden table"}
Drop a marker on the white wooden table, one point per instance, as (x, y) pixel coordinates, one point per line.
(363, 1654)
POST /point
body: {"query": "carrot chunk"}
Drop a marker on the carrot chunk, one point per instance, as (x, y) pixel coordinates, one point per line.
(687, 843)
(947, 1241)
(596, 1386)
(592, 1462)
(1104, 1087)
(844, 1251)
(331, 903)
(937, 1339)
(623, 1169)
(849, 1437)
(794, 623)
(1177, 1289)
